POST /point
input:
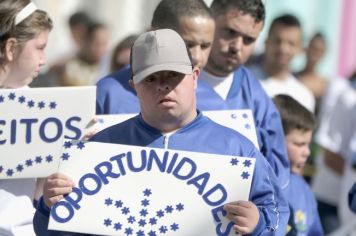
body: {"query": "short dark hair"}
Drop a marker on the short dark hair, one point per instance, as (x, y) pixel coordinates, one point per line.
(293, 114)
(79, 18)
(255, 8)
(287, 20)
(168, 12)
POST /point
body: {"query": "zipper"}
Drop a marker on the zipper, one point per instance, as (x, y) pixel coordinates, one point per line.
(166, 140)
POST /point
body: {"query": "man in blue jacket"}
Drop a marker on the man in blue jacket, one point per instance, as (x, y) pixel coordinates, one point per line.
(165, 81)
(225, 83)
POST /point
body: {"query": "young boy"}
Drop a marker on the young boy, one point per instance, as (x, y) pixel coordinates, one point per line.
(298, 124)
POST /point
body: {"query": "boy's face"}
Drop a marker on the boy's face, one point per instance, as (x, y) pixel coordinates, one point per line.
(298, 149)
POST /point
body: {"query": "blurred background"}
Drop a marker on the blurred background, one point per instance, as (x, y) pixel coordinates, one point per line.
(125, 17)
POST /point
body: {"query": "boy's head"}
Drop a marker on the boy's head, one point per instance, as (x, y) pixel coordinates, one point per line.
(298, 124)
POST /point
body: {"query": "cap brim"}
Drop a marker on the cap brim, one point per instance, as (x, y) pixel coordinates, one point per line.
(181, 68)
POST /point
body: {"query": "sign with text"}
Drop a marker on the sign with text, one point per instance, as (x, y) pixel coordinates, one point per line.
(34, 123)
(131, 190)
(239, 120)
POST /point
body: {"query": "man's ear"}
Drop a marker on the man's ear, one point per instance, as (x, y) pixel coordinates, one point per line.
(10, 46)
(196, 72)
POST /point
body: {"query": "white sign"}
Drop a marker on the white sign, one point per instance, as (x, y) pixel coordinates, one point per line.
(33, 124)
(131, 190)
(239, 120)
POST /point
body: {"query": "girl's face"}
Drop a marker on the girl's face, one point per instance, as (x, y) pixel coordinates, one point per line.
(26, 63)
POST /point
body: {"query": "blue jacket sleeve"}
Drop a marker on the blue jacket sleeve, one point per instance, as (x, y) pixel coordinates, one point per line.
(269, 131)
(267, 196)
(41, 219)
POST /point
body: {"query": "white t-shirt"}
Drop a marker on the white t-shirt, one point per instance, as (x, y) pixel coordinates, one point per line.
(221, 85)
(326, 183)
(292, 87)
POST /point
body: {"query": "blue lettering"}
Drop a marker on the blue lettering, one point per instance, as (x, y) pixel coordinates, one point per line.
(74, 202)
(204, 177)
(75, 130)
(28, 123)
(103, 176)
(85, 189)
(57, 217)
(2, 122)
(160, 164)
(190, 173)
(219, 231)
(143, 162)
(213, 190)
(118, 159)
(171, 164)
(13, 132)
(58, 123)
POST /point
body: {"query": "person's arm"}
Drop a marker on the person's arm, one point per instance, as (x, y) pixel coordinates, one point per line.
(55, 186)
(334, 161)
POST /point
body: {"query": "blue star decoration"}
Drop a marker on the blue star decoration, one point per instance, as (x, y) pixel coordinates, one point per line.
(30, 104)
(1, 98)
(245, 175)
(147, 192)
(12, 96)
(145, 202)
(142, 222)
(67, 144)
(9, 172)
(28, 162)
(118, 204)
(41, 104)
(80, 145)
(234, 161)
(19, 168)
(108, 201)
(52, 105)
(22, 166)
(117, 226)
(247, 163)
(107, 222)
(49, 158)
(38, 159)
(22, 99)
(65, 156)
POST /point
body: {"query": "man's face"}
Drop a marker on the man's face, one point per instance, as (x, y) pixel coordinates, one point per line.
(316, 50)
(282, 44)
(234, 41)
(298, 142)
(168, 97)
(198, 34)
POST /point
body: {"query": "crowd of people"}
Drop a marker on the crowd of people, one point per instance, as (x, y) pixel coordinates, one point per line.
(192, 59)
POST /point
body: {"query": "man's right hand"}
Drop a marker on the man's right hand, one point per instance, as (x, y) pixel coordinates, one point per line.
(56, 185)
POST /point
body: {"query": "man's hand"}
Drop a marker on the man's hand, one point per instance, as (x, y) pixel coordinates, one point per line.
(55, 186)
(244, 214)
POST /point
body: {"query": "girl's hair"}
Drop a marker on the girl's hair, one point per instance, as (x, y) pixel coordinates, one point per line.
(23, 31)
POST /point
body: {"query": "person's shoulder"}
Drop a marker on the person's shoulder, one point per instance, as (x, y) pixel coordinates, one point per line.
(117, 129)
(118, 79)
(230, 134)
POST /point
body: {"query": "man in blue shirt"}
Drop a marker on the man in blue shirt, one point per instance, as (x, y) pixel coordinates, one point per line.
(165, 82)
